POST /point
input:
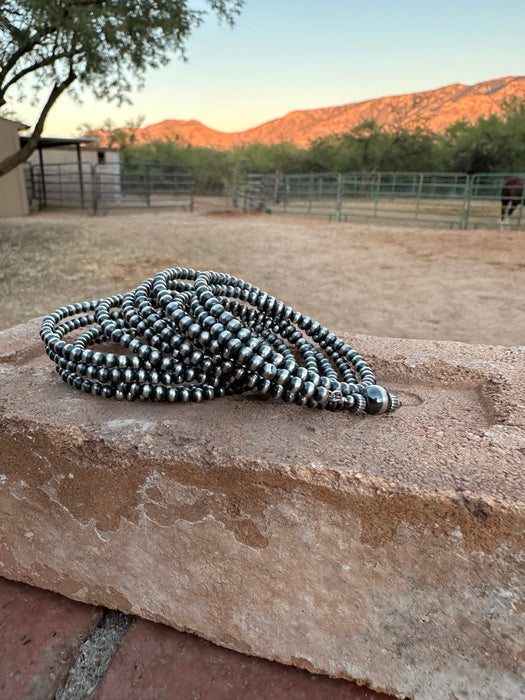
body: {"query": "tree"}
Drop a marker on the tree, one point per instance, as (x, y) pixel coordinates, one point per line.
(101, 45)
(112, 135)
(493, 144)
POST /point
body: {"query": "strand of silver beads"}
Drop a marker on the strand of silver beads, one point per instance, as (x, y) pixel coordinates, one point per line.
(197, 336)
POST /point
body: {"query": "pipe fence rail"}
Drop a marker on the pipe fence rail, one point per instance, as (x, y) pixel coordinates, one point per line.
(452, 200)
(99, 188)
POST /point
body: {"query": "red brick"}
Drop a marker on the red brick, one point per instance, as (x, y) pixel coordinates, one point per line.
(41, 633)
(155, 662)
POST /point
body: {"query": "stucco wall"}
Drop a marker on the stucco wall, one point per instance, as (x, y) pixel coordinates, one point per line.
(68, 154)
(13, 198)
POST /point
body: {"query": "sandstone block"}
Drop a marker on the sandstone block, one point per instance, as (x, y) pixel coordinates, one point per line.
(387, 550)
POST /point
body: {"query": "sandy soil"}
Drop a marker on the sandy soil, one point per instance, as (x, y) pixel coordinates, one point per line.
(363, 278)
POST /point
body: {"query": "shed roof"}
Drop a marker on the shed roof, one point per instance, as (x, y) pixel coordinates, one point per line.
(19, 125)
(58, 141)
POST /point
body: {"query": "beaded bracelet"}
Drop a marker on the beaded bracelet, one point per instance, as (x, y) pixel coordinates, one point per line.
(196, 336)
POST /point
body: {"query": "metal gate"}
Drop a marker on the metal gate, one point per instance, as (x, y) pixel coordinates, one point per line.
(61, 185)
(103, 187)
(430, 198)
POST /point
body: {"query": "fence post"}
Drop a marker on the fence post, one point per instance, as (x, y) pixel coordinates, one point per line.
(94, 187)
(465, 209)
(81, 181)
(246, 182)
(377, 190)
(148, 186)
(33, 188)
(520, 210)
(310, 192)
(419, 190)
(263, 188)
(339, 198)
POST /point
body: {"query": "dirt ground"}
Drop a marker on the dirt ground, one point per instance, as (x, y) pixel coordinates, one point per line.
(359, 277)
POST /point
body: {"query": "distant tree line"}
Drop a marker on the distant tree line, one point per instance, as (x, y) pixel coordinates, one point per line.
(493, 144)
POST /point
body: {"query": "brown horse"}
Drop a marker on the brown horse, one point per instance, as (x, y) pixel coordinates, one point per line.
(511, 197)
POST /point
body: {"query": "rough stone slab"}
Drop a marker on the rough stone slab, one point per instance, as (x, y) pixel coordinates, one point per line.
(41, 634)
(160, 663)
(387, 550)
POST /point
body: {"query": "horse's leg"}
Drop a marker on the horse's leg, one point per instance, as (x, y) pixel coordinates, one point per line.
(504, 221)
(513, 205)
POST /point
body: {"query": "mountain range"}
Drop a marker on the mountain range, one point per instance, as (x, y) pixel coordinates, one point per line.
(433, 109)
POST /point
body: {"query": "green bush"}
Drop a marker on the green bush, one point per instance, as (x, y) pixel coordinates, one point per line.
(493, 144)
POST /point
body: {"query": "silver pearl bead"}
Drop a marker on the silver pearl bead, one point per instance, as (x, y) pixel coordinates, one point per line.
(377, 400)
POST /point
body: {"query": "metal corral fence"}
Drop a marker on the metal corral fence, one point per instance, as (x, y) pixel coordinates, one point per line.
(99, 188)
(453, 200)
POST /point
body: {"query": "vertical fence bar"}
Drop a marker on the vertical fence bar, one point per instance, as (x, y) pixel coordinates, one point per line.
(419, 190)
(520, 208)
(376, 190)
(80, 178)
(338, 197)
(465, 208)
(60, 187)
(245, 193)
(33, 188)
(94, 181)
(92, 172)
(148, 185)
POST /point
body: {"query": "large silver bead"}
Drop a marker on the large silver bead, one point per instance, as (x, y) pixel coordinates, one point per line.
(377, 400)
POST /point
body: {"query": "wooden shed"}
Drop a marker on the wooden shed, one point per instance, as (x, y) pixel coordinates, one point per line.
(13, 197)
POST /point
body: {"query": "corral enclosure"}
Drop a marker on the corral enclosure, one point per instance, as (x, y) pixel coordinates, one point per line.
(99, 187)
(358, 277)
(453, 200)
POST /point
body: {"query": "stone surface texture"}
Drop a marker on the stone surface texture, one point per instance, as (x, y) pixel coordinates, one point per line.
(43, 657)
(387, 550)
(155, 662)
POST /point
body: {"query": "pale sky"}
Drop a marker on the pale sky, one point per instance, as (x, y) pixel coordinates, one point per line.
(283, 55)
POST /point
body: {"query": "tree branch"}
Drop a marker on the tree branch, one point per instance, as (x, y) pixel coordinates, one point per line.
(23, 49)
(23, 153)
(48, 61)
(37, 37)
